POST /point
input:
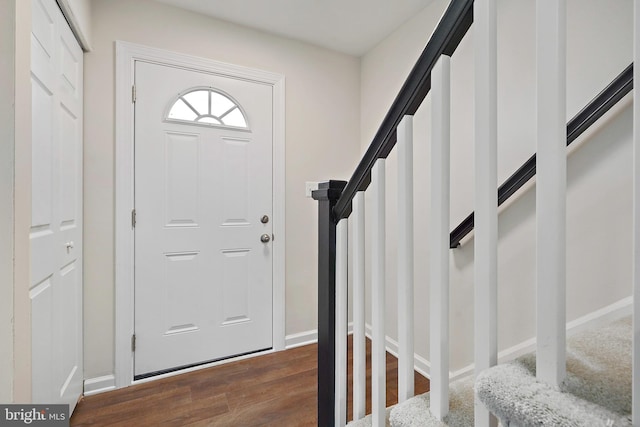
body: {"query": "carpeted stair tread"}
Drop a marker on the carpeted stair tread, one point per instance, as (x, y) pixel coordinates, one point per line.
(415, 411)
(597, 391)
(366, 421)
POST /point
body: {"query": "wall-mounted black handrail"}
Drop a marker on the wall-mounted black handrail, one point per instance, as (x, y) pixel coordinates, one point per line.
(595, 109)
(445, 39)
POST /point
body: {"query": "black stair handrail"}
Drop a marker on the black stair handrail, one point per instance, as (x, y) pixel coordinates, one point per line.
(335, 197)
(614, 92)
(445, 39)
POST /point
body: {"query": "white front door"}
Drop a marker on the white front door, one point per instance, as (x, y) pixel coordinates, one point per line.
(203, 206)
(56, 219)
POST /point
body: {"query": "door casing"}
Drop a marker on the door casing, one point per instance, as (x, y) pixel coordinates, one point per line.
(126, 55)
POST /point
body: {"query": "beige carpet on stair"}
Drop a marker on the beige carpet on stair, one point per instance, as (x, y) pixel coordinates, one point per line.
(366, 421)
(597, 391)
(415, 411)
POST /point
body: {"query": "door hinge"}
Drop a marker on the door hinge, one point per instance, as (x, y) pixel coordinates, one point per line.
(133, 218)
(133, 94)
(133, 342)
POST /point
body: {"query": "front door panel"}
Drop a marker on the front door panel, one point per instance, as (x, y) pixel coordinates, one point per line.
(203, 180)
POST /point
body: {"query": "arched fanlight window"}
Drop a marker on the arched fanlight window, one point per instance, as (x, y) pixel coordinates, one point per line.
(207, 106)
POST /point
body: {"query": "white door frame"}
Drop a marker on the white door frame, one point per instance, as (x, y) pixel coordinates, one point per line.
(126, 55)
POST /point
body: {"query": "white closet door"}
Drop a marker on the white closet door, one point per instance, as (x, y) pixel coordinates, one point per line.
(56, 220)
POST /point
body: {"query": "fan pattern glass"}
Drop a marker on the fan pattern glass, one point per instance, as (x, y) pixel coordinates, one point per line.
(207, 107)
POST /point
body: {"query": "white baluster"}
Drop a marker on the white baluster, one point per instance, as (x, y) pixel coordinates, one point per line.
(359, 339)
(635, 406)
(342, 252)
(486, 199)
(378, 351)
(439, 238)
(405, 259)
(551, 190)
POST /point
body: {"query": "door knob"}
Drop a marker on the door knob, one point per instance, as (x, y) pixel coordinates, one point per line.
(69, 246)
(265, 238)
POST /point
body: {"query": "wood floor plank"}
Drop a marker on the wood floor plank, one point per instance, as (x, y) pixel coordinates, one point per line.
(278, 389)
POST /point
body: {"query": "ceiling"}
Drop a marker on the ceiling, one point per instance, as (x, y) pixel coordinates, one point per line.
(349, 26)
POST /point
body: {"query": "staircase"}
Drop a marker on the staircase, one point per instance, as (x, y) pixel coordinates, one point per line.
(582, 380)
(596, 392)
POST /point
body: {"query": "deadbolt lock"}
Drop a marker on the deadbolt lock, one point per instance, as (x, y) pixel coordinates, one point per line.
(264, 219)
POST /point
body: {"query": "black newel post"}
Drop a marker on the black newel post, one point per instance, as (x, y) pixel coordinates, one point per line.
(327, 195)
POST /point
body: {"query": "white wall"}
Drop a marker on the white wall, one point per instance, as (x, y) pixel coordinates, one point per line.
(322, 142)
(7, 158)
(599, 172)
(15, 200)
(22, 207)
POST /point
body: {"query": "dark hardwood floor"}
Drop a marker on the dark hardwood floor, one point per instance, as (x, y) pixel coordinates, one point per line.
(277, 389)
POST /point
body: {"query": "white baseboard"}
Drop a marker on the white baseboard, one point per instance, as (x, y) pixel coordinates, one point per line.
(300, 339)
(306, 337)
(99, 384)
(592, 320)
(420, 364)
(107, 382)
(595, 319)
(311, 337)
(601, 317)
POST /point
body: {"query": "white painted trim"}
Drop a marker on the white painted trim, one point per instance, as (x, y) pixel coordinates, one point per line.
(421, 365)
(378, 284)
(595, 319)
(359, 308)
(301, 338)
(551, 190)
(341, 325)
(485, 276)
(307, 337)
(74, 24)
(405, 257)
(126, 54)
(99, 384)
(592, 320)
(440, 166)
